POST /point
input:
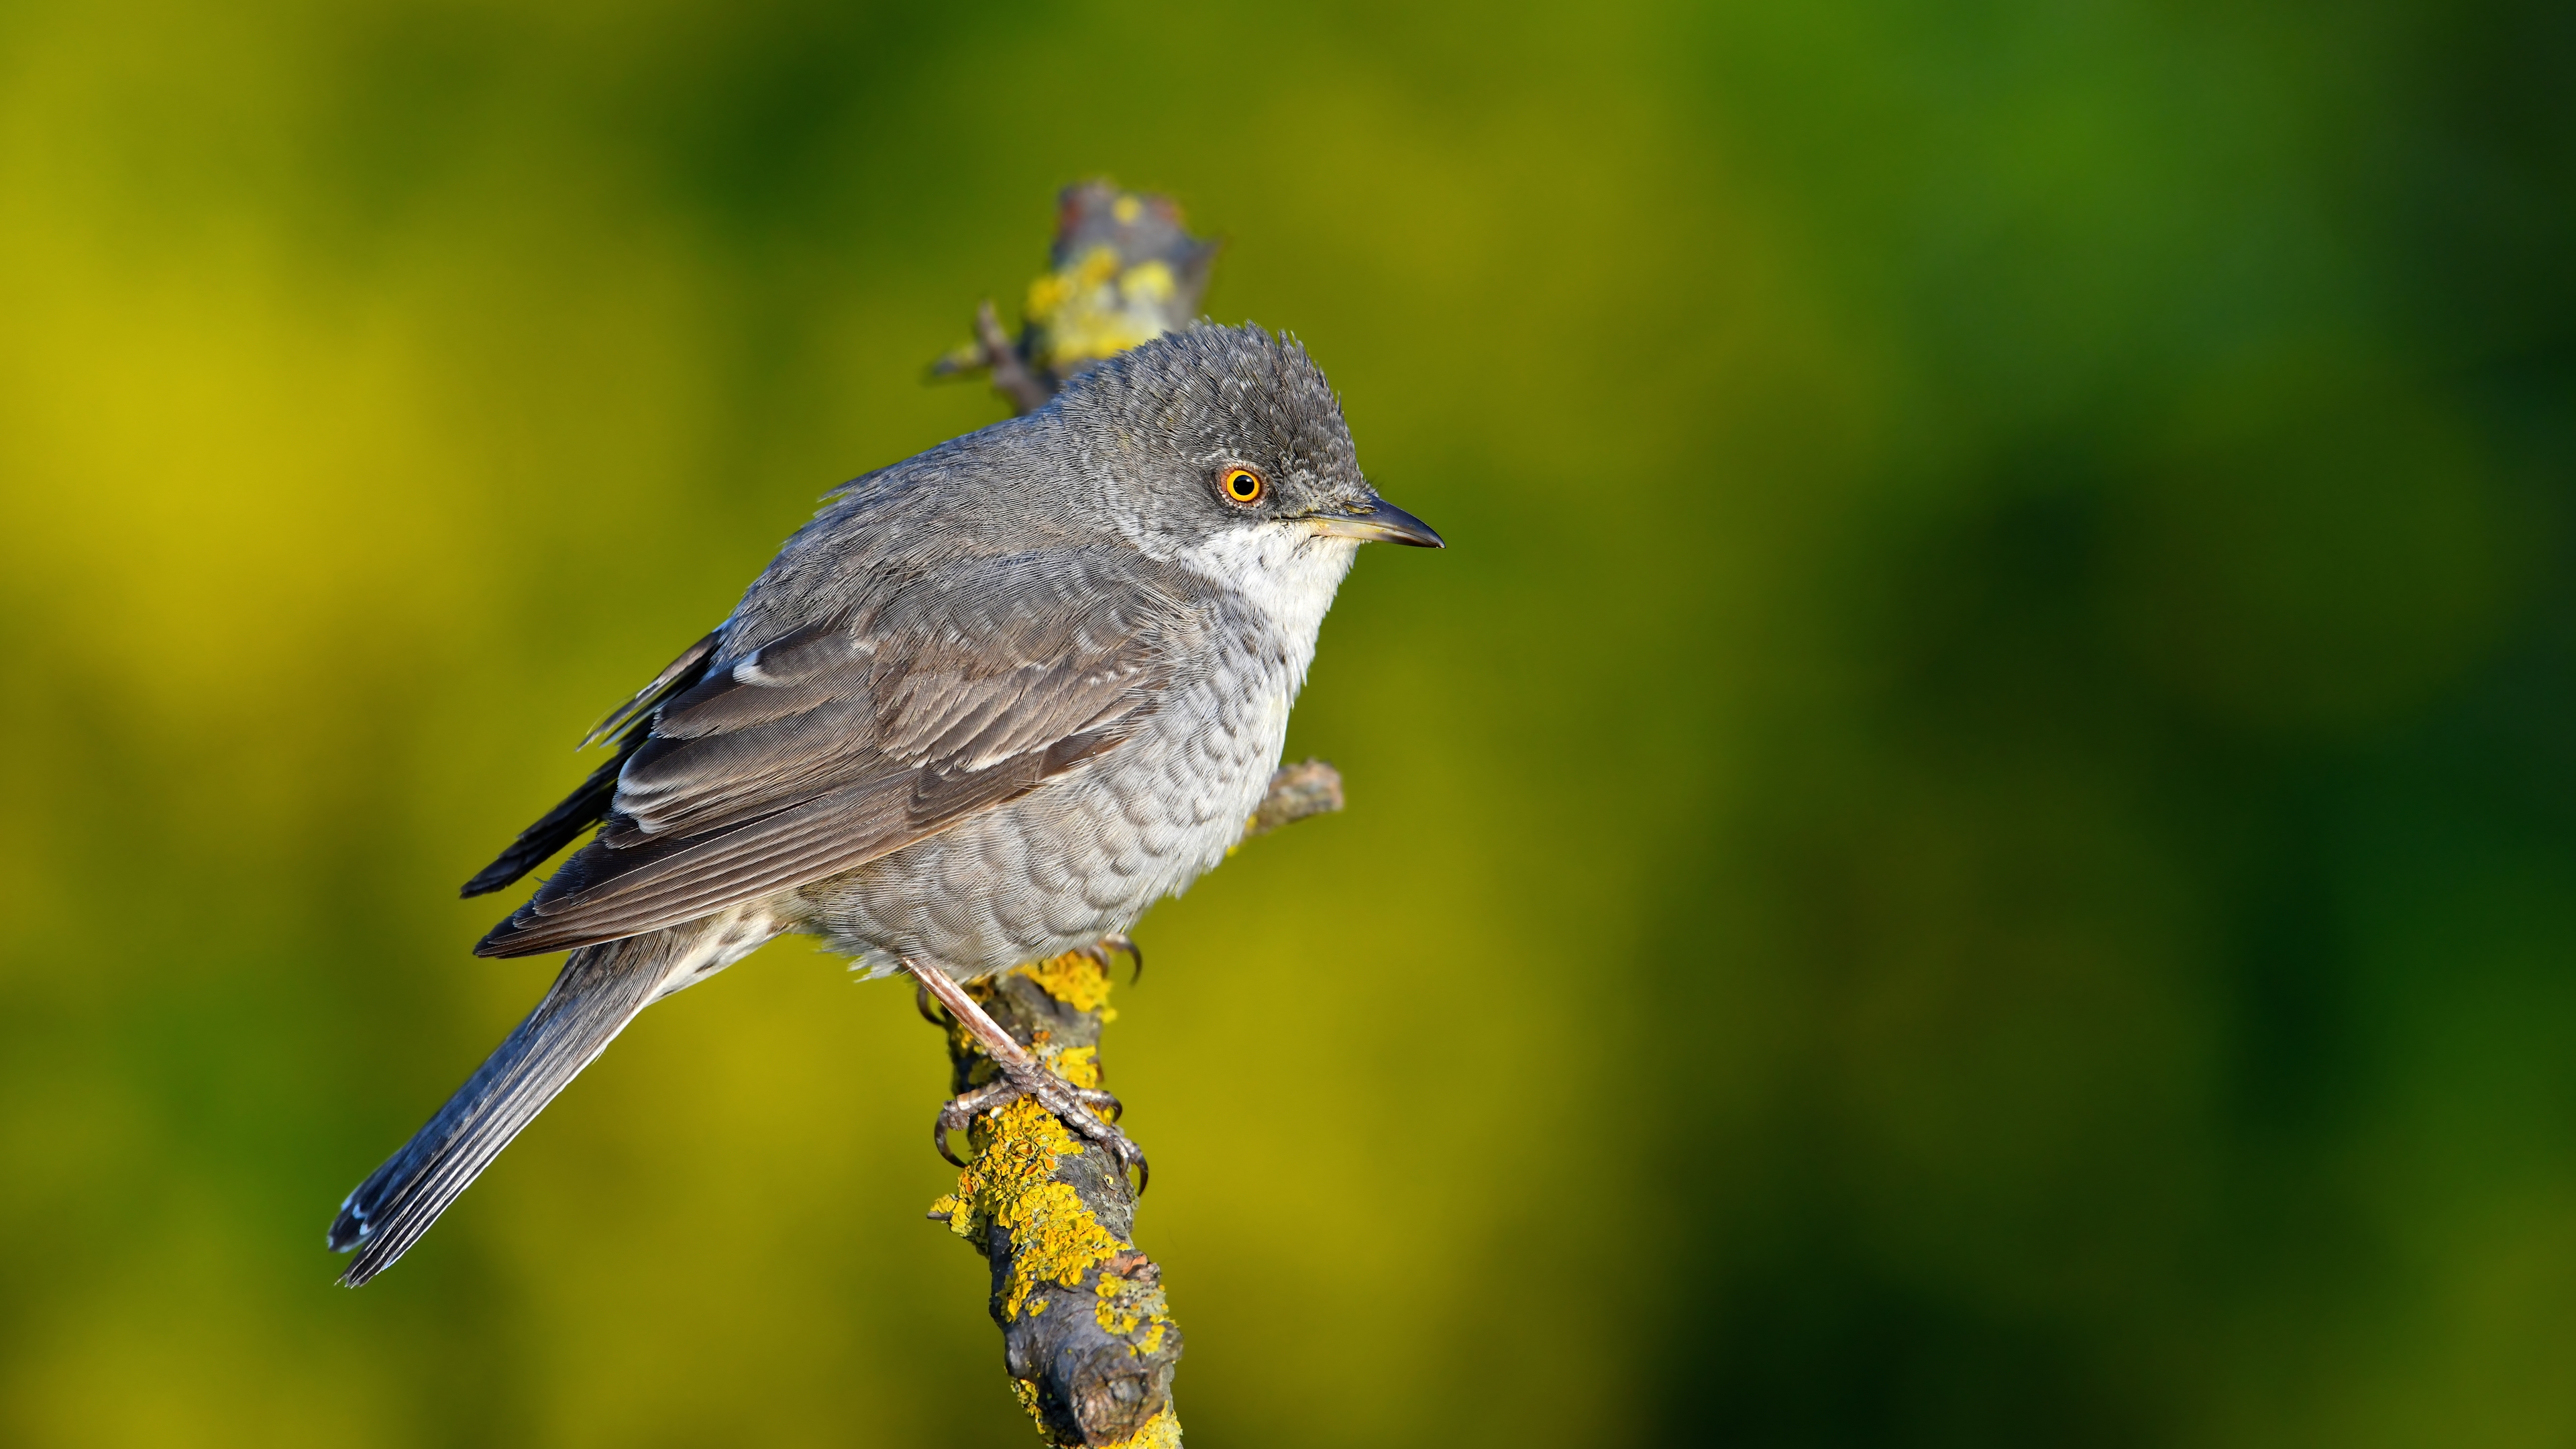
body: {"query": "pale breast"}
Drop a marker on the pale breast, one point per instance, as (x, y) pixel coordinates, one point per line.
(1084, 854)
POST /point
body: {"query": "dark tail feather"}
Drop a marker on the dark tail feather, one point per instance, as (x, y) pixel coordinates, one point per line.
(601, 989)
(581, 810)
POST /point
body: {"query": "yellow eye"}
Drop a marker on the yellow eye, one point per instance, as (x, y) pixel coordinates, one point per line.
(1243, 485)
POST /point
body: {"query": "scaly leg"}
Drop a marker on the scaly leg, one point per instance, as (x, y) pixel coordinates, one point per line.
(1023, 1075)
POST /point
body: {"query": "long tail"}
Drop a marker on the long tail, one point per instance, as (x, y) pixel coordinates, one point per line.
(601, 989)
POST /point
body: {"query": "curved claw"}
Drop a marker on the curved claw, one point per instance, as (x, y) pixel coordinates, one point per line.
(1096, 1099)
(1120, 1147)
(1116, 943)
(929, 1013)
(959, 1112)
(1134, 1157)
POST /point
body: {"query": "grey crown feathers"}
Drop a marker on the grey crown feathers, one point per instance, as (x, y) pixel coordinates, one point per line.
(987, 707)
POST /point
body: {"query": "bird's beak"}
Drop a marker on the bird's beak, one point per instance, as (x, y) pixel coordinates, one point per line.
(1376, 520)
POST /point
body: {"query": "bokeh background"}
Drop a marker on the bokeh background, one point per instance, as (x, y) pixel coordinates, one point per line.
(1973, 843)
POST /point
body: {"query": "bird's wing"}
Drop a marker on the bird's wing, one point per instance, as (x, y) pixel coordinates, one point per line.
(843, 740)
(589, 805)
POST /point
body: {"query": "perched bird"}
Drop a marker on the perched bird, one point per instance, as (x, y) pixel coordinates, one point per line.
(988, 706)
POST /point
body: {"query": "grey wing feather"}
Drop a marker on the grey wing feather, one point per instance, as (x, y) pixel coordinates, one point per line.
(846, 739)
(676, 676)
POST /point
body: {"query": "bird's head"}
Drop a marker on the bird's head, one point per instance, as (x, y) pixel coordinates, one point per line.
(1223, 447)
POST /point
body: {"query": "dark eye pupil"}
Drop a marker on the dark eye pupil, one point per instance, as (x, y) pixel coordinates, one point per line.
(1243, 485)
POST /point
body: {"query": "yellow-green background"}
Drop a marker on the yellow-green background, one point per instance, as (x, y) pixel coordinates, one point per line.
(1972, 845)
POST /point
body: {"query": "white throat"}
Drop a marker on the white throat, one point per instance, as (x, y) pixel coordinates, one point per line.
(1286, 572)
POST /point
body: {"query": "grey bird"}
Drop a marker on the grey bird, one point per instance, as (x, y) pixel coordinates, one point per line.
(989, 705)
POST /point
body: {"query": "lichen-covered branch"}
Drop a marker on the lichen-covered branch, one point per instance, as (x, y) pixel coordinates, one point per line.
(1124, 270)
(1087, 1336)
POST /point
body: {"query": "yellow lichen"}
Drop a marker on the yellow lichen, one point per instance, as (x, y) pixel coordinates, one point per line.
(1078, 1065)
(1163, 1431)
(1049, 294)
(1122, 1306)
(1072, 978)
(1116, 1311)
(1148, 282)
(1089, 310)
(1012, 1185)
(953, 1211)
(1097, 265)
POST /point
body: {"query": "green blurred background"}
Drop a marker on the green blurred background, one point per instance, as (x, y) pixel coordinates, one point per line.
(1972, 844)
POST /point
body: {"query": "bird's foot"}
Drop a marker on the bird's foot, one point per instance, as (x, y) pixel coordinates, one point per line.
(1080, 1108)
(1116, 943)
(1021, 1075)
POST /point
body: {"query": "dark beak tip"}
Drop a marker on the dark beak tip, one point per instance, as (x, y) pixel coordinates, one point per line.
(1406, 529)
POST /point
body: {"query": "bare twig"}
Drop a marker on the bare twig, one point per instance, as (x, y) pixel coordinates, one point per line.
(1011, 377)
(1309, 787)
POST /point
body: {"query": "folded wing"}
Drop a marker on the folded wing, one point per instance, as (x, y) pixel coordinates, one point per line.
(851, 737)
